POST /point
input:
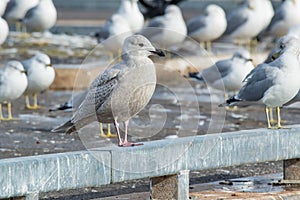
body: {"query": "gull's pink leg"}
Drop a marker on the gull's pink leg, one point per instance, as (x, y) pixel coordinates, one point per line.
(125, 141)
(118, 133)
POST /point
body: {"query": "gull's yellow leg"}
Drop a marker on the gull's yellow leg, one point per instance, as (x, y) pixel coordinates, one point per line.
(208, 46)
(272, 120)
(268, 117)
(27, 102)
(1, 114)
(35, 101)
(279, 118)
(202, 45)
(9, 115)
(101, 131)
(109, 134)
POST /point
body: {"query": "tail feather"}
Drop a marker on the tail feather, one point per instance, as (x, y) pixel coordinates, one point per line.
(65, 106)
(196, 75)
(67, 127)
(230, 102)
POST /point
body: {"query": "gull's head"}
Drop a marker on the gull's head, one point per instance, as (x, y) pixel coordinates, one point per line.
(43, 59)
(243, 55)
(172, 9)
(287, 44)
(214, 9)
(253, 4)
(14, 65)
(138, 45)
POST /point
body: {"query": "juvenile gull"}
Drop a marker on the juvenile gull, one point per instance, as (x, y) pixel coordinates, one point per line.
(16, 10)
(209, 26)
(273, 84)
(4, 30)
(40, 74)
(121, 91)
(166, 30)
(42, 17)
(286, 16)
(130, 11)
(227, 74)
(13, 83)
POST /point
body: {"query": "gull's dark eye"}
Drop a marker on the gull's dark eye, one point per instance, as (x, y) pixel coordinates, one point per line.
(141, 44)
(282, 46)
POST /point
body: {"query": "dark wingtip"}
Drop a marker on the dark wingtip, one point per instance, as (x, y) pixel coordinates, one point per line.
(64, 106)
(196, 76)
(229, 101)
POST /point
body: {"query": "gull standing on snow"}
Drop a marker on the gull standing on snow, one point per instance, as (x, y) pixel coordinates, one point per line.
(208, 27)
(13, 83)
(227, 74)
(130, 11)
(166, 30)
(16, 10)
(42, 17)
(40, 74)
(121, 91)
(273, 84)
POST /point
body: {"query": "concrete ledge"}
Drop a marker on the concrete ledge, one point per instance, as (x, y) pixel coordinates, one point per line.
(21, 176)
(53, 172)
(167, 157)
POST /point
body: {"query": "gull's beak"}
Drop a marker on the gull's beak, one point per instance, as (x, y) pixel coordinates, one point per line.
(49, 65)
(249, 60)
(275, 55)
(158, 52)
(24, 71)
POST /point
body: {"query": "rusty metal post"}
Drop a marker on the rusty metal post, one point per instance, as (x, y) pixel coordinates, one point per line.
(171, 186)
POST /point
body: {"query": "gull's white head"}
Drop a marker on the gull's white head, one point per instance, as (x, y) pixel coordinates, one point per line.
(14, 65)
(253, 4)
(43, 59)
(288, 44)
(242, 54)
(172, 9)
(214, 9)
(138, 45)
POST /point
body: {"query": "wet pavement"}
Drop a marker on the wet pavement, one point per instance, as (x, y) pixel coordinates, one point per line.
(180, 107)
